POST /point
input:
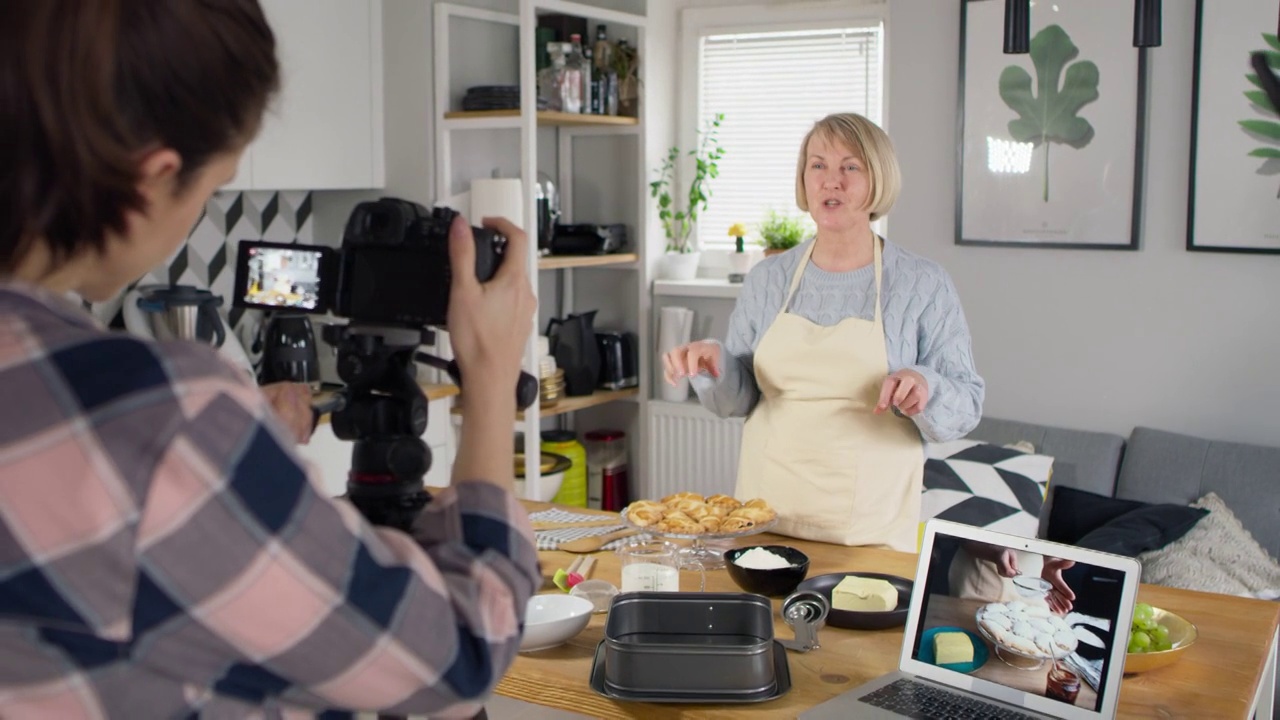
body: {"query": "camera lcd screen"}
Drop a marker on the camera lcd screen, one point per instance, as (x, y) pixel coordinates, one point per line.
(282, 276)
(397, 284)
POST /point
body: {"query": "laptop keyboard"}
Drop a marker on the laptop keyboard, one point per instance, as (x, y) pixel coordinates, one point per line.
(924, 702)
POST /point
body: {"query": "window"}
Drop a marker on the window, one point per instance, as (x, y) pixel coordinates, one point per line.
(771, 87)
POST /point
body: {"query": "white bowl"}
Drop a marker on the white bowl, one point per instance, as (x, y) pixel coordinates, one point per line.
(550, 620)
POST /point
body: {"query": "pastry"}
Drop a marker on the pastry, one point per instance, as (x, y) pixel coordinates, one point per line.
(1028, 629)
(724, 500)
(710, 523)
(754, 514)
(644, 517)
(695, 509)
(682, 525)
(676, 497)
(756, 503)
(736, 524)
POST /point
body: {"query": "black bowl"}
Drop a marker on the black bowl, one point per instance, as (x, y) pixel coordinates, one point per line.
(852, 620)
(773, 583)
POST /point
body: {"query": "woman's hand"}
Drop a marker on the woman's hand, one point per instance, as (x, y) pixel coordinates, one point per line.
(689, 360)
(489, 324)
(906, 390)
(292, 404)
(1061, 597)
(1007, 563)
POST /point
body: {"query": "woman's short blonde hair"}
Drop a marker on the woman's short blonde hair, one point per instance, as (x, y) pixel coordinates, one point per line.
(867, 140)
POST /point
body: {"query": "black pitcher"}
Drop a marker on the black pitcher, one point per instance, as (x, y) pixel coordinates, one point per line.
(573, 343)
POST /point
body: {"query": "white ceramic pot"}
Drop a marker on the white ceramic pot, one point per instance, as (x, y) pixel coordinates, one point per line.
(680, 266)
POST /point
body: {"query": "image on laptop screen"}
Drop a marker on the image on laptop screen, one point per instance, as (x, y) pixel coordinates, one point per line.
(1034, 623)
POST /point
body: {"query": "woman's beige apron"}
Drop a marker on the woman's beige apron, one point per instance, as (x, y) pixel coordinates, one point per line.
(835, 471)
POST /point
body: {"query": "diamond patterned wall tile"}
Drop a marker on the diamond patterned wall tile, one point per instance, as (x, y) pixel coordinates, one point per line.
(207, 259)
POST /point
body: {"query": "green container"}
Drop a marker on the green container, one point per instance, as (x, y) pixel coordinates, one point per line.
(573, 491)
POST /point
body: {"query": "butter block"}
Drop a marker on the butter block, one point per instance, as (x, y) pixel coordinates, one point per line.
(864, 595)
(952, 647)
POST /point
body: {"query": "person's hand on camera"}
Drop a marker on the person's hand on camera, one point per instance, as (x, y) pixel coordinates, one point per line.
(489, 323)
(292, 404)
(689, 360)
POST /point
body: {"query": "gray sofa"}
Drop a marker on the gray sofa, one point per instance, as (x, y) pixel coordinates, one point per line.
(1156, 466)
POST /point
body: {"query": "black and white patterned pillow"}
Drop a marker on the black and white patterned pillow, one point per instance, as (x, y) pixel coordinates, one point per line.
(992, 486)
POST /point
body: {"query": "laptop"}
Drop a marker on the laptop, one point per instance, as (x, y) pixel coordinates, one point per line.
(1037, 671)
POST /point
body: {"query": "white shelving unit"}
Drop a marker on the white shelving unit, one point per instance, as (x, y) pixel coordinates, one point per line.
(626, 296)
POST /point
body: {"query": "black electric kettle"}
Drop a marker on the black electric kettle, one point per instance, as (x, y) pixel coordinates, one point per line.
(573, 343)
(182, 312)
(288, 345)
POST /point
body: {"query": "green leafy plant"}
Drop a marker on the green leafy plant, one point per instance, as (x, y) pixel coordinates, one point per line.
(1267, 131)
(1048, 115)
(678, 223)
(780, 231)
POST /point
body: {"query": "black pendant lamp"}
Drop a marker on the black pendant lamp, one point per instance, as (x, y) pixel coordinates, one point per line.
(1017, 27)
(1146, 23)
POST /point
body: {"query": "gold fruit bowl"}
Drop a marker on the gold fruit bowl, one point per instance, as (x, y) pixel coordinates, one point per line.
(1182, 635)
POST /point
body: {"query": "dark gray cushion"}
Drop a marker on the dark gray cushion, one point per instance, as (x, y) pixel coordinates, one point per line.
(1081, 459)
(1162, 466)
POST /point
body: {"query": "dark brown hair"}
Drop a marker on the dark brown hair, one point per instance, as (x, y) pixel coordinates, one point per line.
(88, 86)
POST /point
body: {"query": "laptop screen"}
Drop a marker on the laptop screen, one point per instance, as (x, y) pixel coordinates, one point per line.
(1031, 622)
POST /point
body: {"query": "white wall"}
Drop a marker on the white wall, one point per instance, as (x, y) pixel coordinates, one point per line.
(1092, 339)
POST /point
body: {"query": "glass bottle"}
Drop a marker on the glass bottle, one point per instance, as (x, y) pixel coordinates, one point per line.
(551, 78)
(576, 71)
(590, 100)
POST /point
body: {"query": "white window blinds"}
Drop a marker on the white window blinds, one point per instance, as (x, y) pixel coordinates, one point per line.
(771, 87)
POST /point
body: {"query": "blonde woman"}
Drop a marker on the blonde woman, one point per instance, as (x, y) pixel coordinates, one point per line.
(843, 353)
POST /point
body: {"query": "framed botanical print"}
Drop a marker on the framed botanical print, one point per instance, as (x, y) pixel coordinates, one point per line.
(1051, 142)
(1234, 191)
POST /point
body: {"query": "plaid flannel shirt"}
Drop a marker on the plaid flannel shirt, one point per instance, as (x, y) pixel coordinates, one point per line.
(163, 553)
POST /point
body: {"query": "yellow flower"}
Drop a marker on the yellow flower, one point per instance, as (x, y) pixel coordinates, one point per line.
(737, 230)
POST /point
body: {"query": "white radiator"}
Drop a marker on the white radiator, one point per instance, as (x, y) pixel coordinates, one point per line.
(690, 449)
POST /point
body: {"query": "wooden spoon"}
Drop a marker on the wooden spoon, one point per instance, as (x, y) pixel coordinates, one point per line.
(595, 542)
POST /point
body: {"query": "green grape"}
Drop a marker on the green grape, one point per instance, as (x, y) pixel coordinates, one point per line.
(1143, 612)
(1142, 640)
(1148, 624)
(1161, 634)
(1133, 647)
(1161, 645)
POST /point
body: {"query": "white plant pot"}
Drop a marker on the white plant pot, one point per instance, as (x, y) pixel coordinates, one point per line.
(739, 265)
(680, 266)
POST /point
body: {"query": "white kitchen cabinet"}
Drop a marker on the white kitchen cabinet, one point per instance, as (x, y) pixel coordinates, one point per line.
(324, 131)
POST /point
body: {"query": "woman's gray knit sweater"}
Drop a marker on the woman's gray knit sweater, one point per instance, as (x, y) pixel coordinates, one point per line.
(924, 327)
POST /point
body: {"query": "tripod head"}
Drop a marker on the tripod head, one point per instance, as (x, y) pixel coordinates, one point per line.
(383, 410)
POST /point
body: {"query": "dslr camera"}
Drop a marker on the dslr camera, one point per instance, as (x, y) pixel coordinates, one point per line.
(391, 279)
(392, 269)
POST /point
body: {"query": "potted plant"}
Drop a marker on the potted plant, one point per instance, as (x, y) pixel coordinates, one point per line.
(779, 232)
(681, 259)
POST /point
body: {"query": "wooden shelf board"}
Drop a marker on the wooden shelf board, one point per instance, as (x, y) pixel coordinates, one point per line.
(573, 404)
(545, 117)
(560, 262)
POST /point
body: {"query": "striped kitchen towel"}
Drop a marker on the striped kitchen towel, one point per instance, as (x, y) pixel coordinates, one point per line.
(551, 539)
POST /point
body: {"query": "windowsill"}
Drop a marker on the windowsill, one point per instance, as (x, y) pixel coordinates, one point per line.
(699, 287)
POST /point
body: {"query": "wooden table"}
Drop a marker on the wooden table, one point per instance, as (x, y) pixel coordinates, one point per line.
(947, 611)
(1221, 676)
